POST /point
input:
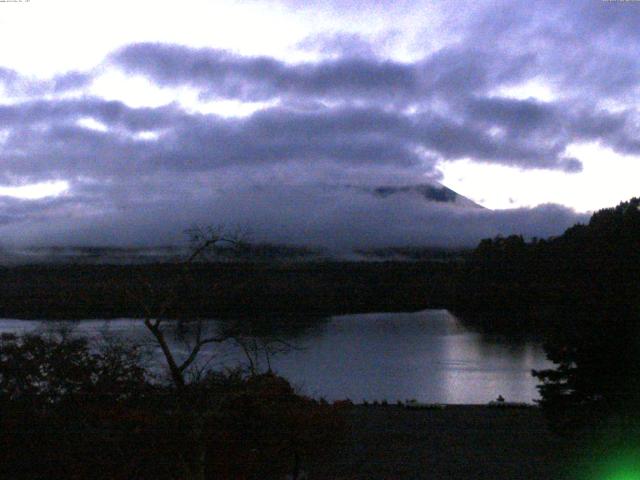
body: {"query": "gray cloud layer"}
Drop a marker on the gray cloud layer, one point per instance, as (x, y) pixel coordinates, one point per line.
(339, 218)
(350, 117)
(530, 134)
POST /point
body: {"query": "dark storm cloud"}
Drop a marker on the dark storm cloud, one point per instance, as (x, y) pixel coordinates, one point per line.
(451, 88)
(223, 74)
(585, 48)
(523, 115)
(348, 135)
(17, 85)
(218, 73)
(112, 113)
(71, 81)
(46, 139)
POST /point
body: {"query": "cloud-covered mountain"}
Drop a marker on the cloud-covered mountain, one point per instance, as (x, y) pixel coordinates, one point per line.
(338, 145)
(337, 217)
(431, 192)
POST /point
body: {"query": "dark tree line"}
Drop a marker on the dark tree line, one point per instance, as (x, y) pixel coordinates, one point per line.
(580, 292)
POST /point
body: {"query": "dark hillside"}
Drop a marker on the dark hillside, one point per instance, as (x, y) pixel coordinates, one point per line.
(510, 284)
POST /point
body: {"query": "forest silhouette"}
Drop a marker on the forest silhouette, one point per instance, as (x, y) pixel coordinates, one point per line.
(580, 292)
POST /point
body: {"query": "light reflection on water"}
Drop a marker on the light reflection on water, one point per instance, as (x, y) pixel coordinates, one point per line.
(426, 355)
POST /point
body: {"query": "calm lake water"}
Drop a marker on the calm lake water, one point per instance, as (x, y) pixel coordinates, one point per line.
(427, 355)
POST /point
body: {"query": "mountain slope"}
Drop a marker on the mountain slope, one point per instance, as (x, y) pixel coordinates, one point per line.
(431, 192)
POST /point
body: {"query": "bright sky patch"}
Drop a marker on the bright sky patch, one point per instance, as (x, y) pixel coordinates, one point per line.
(35, 191)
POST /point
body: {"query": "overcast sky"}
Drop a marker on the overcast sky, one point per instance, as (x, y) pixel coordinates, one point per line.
(127, 122)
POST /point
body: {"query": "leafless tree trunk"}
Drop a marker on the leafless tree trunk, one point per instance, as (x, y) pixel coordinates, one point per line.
(155, 320)
(256, 348)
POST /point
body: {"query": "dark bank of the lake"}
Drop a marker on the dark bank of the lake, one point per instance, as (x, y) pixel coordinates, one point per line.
(470, 442)
(221, 290)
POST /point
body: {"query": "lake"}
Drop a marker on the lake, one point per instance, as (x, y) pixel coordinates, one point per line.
(427, 355)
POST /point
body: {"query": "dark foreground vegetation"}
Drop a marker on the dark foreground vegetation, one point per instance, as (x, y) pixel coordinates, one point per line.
(70, 412)
(458, 442)
(74, 412)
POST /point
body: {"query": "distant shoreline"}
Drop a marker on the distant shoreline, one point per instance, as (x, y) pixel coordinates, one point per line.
(221, 290)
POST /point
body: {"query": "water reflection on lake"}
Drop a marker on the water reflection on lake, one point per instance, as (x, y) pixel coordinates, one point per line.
(425, 355)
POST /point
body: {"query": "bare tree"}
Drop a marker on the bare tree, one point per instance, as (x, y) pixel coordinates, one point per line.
(156, 316)
(160, 319)
(260, 350)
